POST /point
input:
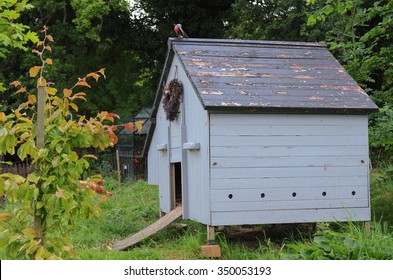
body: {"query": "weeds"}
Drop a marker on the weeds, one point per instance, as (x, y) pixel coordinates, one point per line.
(135, 205)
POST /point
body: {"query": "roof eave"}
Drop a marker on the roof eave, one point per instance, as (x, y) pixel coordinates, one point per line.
(291, 110)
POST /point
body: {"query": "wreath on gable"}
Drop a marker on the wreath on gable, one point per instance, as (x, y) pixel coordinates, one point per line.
(172, 98)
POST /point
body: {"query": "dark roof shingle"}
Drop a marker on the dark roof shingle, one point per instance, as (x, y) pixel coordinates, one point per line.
(268, 76)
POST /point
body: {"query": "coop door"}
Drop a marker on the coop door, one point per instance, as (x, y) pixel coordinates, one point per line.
(176, 185)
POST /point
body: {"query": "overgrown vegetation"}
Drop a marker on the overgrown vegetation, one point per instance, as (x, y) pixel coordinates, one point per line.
(135, 205)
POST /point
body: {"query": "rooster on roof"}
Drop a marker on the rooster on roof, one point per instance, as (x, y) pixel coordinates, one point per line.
(179, 31)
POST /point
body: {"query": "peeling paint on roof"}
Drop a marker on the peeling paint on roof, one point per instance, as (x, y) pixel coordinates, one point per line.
(269, 76)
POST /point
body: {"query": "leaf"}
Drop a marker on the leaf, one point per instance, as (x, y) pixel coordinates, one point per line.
(74, 106)
(130, 126)
(59, 193)
(83, 83)
(50, 91)
(32, 99)
(15, 84)
(139, 126)
(32, 177)
(48, 48)
(41, 82)
(3, 117)
(94, 75)
(34, 71)
(102, 71)
(49, 61)
(67, 92)
(21, 90)
(30, 233)
(50, 38)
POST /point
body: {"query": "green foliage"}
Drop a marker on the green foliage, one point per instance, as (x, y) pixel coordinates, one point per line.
(361, 38)
(351, 243)
(12, 33)
(381, 188)
(381, 136)
(51, 198)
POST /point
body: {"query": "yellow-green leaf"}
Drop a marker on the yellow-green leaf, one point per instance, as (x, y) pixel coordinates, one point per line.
(32, 177)
(34, 71)
(50, 91)
(30, 233)
(73, 106)
(41, 82)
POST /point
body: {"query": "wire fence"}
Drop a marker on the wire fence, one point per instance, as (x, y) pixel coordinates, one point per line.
(130, 168)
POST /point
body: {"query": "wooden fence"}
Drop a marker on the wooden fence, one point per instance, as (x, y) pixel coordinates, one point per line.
(23, 169)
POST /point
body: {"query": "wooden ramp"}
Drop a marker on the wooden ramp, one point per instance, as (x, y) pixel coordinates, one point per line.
(162, 223)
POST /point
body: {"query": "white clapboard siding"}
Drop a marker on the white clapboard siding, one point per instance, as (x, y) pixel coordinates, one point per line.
(291, 216)
(287, 162)
(287, 194)
(287, 182)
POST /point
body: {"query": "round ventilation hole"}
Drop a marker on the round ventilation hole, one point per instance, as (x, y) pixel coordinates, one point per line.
(294, 194)
(230, 196)
(324, 194)
(353, 193)
(262, 195)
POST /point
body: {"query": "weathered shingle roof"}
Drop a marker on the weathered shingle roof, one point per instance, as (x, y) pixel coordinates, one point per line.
(264, 76)
(268, 76)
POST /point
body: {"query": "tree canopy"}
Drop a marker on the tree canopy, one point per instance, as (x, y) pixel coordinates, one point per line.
(129, 39)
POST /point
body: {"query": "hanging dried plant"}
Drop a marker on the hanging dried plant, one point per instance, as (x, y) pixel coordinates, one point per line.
(172, 99)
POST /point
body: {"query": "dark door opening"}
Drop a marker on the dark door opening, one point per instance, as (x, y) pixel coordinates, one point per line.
(176, 184)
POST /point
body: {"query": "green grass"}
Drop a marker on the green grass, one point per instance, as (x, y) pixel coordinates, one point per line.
(135, 206)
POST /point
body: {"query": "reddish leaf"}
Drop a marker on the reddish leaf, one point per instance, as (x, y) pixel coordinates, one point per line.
(130, 126)
(21, 90)
(50, 38)
(15, 84)
(48, 48)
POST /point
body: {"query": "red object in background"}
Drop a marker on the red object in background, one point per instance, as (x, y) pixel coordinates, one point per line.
(136, 161)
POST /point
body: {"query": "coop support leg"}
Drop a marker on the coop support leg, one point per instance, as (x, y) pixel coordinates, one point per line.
(367, 226)
(211, 239)
(211, 249)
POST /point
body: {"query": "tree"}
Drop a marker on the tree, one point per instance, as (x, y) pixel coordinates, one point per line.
(51, 198)
(268, 20)
(361, 38)
(12, 33)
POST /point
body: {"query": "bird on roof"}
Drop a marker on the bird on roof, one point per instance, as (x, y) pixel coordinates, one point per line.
(179, 31)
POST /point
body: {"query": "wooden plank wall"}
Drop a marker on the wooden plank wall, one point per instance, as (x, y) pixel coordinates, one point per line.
(275, 164)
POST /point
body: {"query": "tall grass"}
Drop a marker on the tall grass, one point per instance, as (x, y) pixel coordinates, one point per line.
(135, 206)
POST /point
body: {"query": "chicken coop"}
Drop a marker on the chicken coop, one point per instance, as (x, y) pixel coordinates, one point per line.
(259, 132)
